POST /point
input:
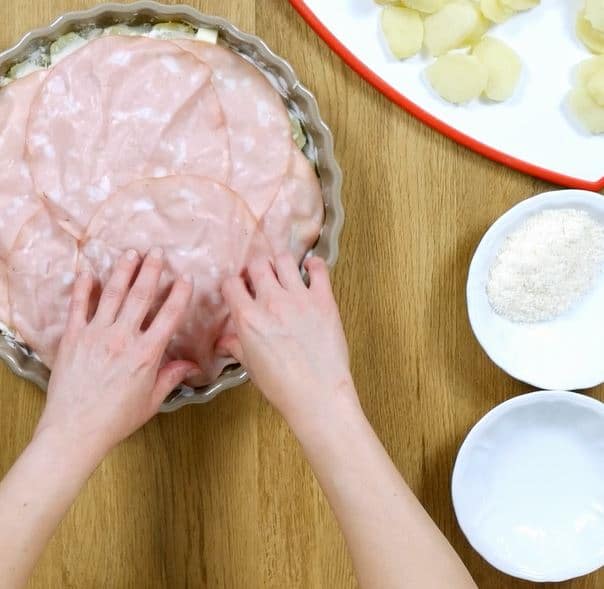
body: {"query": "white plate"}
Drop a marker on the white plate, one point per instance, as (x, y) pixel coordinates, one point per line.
(528, 486)
(531, 132)
(566, 353)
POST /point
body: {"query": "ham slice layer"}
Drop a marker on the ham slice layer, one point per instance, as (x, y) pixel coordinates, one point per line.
(131, 142)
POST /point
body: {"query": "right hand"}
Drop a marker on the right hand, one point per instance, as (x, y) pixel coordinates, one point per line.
(290, 337)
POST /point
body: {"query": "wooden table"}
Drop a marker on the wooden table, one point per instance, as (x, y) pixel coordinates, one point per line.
(220, 496)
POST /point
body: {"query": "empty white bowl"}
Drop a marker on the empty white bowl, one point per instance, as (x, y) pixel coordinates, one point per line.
(566, 353)
(528, 486)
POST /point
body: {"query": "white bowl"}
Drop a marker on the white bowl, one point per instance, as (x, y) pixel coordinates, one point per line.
(528, 486)
(566, 353)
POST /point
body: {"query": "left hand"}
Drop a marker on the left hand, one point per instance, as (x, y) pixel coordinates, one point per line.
(107, 381)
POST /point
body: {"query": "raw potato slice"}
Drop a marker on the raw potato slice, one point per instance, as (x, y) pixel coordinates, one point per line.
(518, 5)
(587, 110)
(592, 38)
(64, 46)
(207, 35)
(172, 30)
(480, 30)
(458, 78)
(496, 11)
(588, 68)
(298, 134)
(504, 67)
(450, 27)
(594, 13)
(403, 29)
(427, 6)
(126, 30)
(595, 87)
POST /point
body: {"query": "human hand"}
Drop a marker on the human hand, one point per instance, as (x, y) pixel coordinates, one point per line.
(106, 382)
(290, 337)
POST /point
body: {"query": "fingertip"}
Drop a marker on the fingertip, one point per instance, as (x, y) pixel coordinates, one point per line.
(288, 271)
(172, 375)
(156, 253)
(229, 346)
(318, 272)
(315, 263)
(186, 284)
(80, 299)
(83, 281)
(130, 255)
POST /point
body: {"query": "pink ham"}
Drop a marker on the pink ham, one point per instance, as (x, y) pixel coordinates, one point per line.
(41, 273)
(203, 228)
(257, 121)
(294, 220)
(18, 201)
(119, 109)
(133, 143)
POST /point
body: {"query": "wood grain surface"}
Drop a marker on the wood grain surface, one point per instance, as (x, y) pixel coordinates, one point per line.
(220, 496)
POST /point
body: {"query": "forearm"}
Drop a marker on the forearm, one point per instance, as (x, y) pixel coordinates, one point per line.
(34, 497)
(392, 540)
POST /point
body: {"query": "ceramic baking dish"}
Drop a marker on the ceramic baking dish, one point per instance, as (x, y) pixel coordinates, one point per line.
(300, 102)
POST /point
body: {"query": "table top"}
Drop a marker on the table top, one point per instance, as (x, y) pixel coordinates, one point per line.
(220, 495)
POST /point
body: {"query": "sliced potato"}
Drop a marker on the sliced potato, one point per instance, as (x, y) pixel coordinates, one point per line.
(403, 29)
(207, 35)
(504, 67)
(587, 110)
(426, 6)
(172, 30)
(592, 38)
(450, 27)
(588, 68)
(518, 5)
(457, 77)
(496, 11)
(64, 46)
(482, 27)
(594, 13)
(297, 132)
(125, 30)
(20, 70)
(595, 87)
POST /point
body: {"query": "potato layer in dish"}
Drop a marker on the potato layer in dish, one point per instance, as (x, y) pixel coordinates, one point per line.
(134, 142)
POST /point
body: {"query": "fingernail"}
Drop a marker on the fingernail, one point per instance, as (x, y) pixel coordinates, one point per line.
(193, 373)
(131, 255)
(84, 274)
(157, 253)
(188, 278)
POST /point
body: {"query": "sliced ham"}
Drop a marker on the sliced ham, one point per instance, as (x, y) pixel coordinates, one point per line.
(119, 109)
(18, 201)
(204, 229)
(132, 142)
(294, 220)
(42, 266)
(258, 124)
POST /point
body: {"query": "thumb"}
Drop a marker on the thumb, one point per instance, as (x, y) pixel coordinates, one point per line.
(229, 345)
(170, 376)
